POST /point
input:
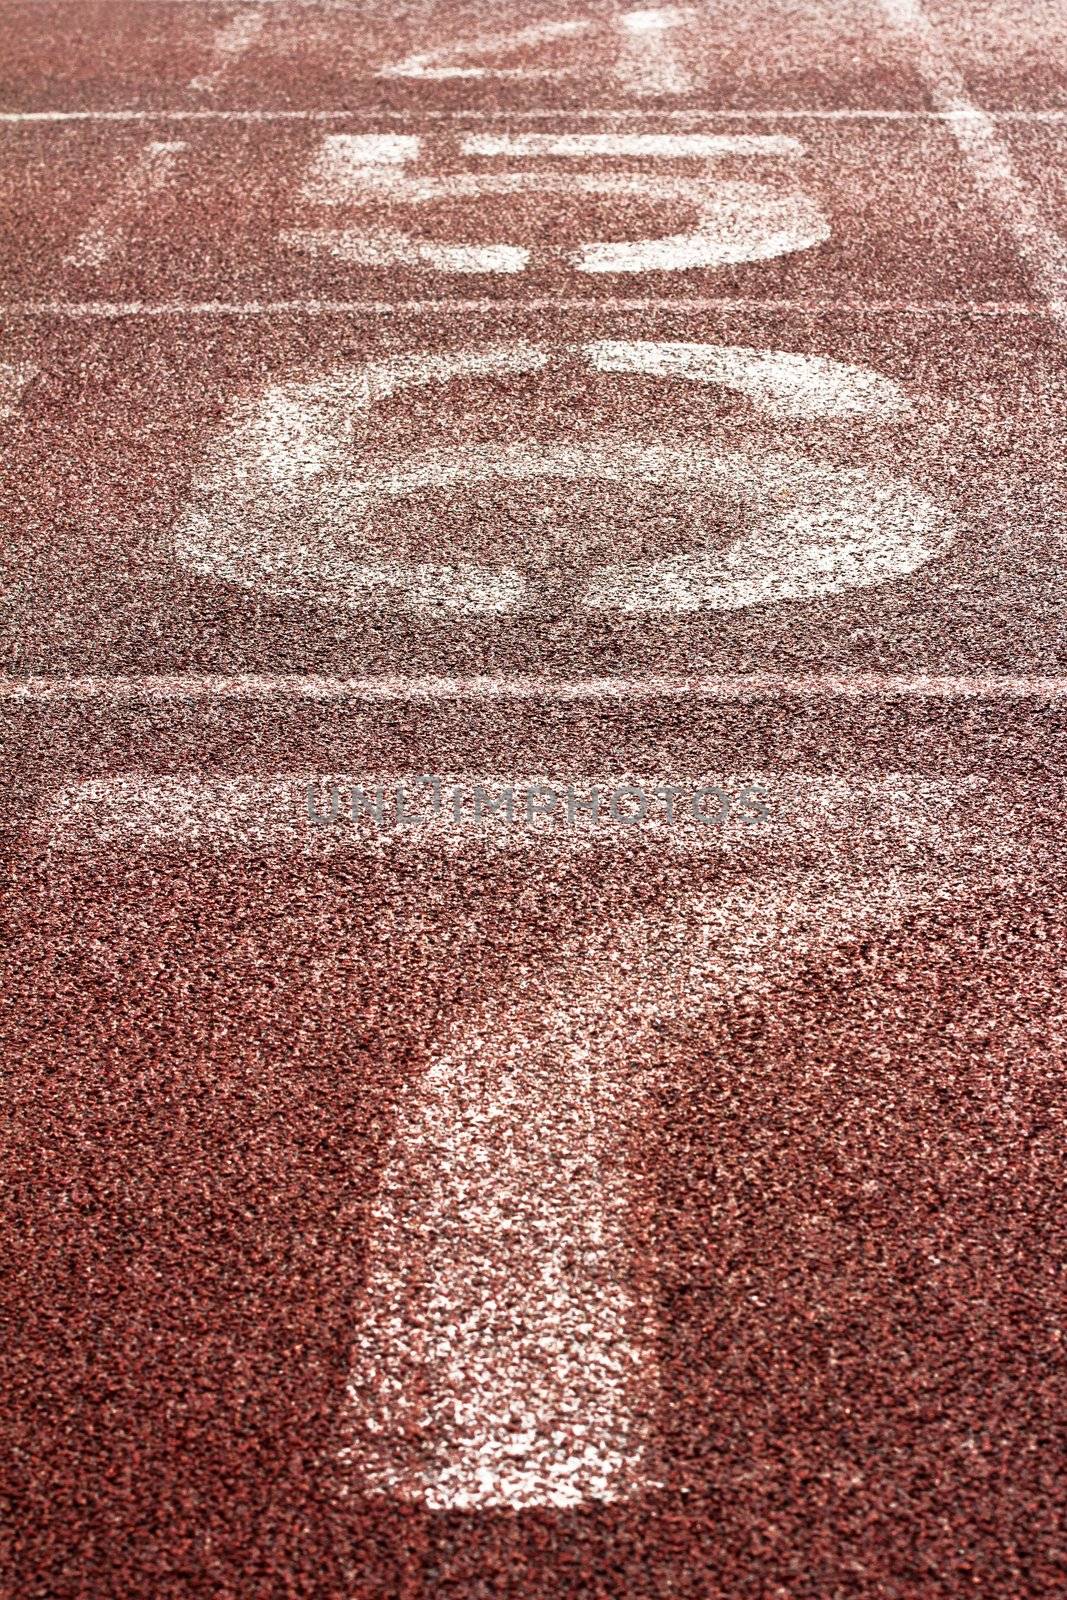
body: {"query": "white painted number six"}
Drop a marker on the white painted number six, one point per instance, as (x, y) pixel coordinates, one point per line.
(290, 496)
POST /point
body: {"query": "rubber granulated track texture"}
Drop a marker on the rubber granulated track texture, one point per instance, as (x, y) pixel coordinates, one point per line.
(534, 719)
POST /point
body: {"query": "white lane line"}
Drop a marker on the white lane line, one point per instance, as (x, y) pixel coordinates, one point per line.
(106, 232)
(229, 44)
(691, 114)
(311, 5)
(671, 146)
(14, 376)
(655, 686)
(1012, 201)
(499, 308)
(649, 62)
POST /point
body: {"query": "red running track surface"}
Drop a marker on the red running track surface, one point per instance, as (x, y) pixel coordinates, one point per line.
(610, 1197)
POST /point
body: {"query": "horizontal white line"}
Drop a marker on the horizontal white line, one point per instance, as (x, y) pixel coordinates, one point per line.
(698, 146)
(443, 307)
(740, 687)
(282, 5)
(563, 114)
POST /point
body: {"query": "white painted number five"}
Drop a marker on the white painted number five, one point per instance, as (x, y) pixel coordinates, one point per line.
(735, 221)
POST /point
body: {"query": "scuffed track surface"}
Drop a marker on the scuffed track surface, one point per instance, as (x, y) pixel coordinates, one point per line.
(544, 1207)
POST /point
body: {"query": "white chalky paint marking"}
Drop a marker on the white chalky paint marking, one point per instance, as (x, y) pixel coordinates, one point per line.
(14, 376)
(299, 433)
(387, 247)
(344, 166)
(285, 477)
(506, 1356)
(735, 221)
(782, 383)
(813, 531)
(229, 44)
(442, 63)
(669, 146)
(300, 428)
(106, 233)
(451, 307)
(714, 113)
(649, 63)
(715, 687)
(505, 1352)
(503, 1358)
(1033, 229)
(840, 529)
(350, 168)
(147, 812)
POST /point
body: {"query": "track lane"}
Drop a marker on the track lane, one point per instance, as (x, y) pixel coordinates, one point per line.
(805, 1080)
